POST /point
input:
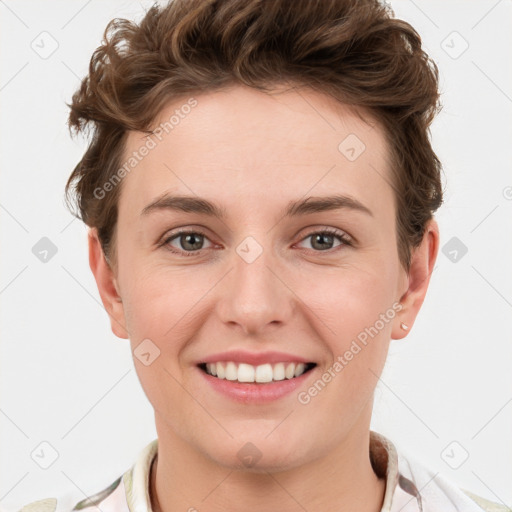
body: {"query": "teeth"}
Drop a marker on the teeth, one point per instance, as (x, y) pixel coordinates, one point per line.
(279, 371)
(299, 369)
(264, 373)
(244, 372)
(219, 369)
(231, 371)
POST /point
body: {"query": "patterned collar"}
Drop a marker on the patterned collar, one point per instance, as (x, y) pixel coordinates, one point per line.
(410, 487)
(383, 457)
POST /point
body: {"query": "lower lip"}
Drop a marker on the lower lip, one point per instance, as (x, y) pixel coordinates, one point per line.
(255, 393)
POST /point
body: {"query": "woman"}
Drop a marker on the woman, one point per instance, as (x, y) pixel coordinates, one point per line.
(260, 190)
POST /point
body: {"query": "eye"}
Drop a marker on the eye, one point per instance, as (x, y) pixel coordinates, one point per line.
(191, 242)
(324, 239)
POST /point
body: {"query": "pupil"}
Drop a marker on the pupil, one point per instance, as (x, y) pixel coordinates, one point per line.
(323, 237)
(191, 237)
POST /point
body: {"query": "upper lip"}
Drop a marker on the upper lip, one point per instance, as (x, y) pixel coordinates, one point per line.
(254, 358)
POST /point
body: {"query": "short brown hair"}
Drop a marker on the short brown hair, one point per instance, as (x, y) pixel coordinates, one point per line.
(352, 50)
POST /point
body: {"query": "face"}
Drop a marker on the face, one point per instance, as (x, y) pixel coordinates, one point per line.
(271, 281)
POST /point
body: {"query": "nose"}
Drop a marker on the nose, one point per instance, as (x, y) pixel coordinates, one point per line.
(254, 295)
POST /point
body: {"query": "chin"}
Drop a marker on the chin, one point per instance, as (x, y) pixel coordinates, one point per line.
(258, 454)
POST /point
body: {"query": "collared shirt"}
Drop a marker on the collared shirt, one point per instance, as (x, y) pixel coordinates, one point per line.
(410, 487)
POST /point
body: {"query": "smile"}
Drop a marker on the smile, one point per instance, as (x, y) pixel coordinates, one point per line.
(261, 374)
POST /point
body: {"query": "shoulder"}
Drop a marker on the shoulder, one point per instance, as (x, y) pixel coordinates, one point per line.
(126, 494)
(442, 493)
(408, 478)
(45, 505)
(110, 499)
(484, 504)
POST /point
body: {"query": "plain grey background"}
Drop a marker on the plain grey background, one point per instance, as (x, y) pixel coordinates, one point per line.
(445, 397)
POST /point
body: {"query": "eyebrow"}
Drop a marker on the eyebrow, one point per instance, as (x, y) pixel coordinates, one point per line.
(306, 206)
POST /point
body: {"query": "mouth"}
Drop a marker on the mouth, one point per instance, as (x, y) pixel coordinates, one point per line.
(260, 374)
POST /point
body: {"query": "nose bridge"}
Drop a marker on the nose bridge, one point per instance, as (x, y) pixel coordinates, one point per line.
(253, 296)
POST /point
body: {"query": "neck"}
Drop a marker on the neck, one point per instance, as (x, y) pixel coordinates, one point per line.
(344, 480)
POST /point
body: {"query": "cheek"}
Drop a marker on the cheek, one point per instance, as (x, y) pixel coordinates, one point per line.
(159, 308)
(349, 299)
(354, 316)
(164, 304)
(354, 311)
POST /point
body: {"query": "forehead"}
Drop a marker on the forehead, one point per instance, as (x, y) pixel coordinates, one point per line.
(241, 142)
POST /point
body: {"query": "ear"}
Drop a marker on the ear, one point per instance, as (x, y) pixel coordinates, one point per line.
(423, 259)
(107, 285)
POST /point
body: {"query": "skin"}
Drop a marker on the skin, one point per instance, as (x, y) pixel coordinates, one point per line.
(252, 153)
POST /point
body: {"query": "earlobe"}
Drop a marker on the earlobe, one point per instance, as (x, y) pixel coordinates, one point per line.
(107, 285)
(423, 259)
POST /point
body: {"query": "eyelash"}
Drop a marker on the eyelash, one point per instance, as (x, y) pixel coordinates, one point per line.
(344, 238)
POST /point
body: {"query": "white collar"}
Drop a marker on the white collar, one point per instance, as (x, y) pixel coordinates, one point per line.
(410, 487)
